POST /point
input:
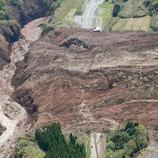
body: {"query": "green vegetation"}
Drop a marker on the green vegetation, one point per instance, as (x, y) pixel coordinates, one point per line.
(133, 9)
(51, 140)
(154, 6)
(28, 148)
(17, 3)
(3, 10)
(52, 4)
(126, 141)
(106, 13)
(85, 139)
(154, 22)
(133, 24)
(65, 13)
(128, 15)
(4, 7)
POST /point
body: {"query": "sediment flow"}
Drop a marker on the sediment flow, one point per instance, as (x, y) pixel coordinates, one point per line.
(12, 114)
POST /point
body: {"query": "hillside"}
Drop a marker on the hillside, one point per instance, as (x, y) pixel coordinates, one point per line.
(67, 68)
(71, 77)
(78, 79)
(129, 15)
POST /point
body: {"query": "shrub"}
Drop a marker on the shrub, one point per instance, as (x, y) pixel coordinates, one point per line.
(52, 4)
(126, 141)
(133, 9)
(17, 3)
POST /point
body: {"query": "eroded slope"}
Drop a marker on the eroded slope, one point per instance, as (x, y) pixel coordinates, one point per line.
(87, 79)
(4, 52)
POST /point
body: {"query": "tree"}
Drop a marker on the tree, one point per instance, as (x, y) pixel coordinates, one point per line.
(17, 3)
(51, 140)
(127, 140)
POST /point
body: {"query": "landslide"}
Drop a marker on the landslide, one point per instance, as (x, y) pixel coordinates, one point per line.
(4, 52)
(81, 78)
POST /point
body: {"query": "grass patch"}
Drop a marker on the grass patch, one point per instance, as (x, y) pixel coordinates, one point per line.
(64, 15)
(106, 10)
(133, 24)
(154, 23)
(133, 8)
(28, 148)
(85, 139)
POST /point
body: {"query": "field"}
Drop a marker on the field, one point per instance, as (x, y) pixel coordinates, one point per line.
(64, 15)
(106, 10)
(132, 9)
(133, 24)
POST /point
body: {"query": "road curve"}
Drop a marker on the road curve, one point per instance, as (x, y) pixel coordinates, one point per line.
(86, 20)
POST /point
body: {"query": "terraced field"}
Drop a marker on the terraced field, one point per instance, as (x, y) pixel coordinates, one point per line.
(134, 24)
(131, 15)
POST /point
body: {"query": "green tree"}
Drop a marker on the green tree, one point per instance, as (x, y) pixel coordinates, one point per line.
(127, 140)
(51, 140)
(17, 3)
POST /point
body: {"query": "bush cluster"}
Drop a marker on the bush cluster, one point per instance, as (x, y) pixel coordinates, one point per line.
(4, 7)
(17, 3)
(52, 4)
(126, 141)
(3, 10)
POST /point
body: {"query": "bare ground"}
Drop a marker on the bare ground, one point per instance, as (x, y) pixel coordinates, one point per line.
(118, 73)
(12, 115)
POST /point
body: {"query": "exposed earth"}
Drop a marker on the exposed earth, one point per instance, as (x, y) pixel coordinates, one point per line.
(13, 117)
(4, 52)
(109, 72)
(89, 81)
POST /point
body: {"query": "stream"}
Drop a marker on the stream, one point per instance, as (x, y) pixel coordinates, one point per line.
(12, 115)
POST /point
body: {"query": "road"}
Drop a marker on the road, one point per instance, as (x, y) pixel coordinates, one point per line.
(98, 145)
(86, 20)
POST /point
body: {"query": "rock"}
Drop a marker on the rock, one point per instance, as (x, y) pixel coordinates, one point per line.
(2, 129)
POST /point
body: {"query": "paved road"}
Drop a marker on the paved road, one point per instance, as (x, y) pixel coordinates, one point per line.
(86, 20)
(98, 145)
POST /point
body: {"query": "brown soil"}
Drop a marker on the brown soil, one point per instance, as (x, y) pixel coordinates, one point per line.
(4, 52)
(114, 74)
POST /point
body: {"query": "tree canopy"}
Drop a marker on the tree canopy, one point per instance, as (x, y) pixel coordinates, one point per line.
(51, 140)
